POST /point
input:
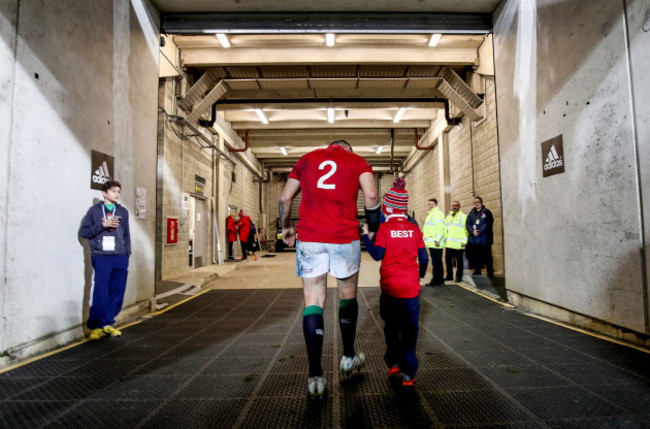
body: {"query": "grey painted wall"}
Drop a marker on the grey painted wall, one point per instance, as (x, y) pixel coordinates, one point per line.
(574, 240)
(96, 89)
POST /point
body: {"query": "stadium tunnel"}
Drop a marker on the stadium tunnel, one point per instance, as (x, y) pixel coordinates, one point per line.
(538, 107)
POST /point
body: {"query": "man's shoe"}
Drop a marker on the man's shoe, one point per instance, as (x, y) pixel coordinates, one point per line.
(316, 386)
(348, 364)
(394, 371)
(476, 273)
(255, 258)
(407, 381)
(437, 284)
(449, 279)
(111, 332)
(459, 280)
(96, 334)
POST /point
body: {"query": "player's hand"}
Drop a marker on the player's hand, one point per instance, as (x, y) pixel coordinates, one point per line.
(364, 229)
(437, 243)
(289, 236)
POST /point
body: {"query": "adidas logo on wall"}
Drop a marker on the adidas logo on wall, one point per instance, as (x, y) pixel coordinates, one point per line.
(553, 156)
(101, 169)
(553, 159)
(102, 175)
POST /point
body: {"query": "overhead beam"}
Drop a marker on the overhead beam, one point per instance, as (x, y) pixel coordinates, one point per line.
(336, 104)
(338, 124)
(326, 22)
(358, 54)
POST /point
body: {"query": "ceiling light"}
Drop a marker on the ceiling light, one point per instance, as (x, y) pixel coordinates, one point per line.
(330, 115)
(399, 115)
(223, 40)
(283, 150)
(379, 149)
(329, 39)
(261, 116)
(435, 38)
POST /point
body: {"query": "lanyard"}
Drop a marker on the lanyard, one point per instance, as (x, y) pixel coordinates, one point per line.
(104, 211)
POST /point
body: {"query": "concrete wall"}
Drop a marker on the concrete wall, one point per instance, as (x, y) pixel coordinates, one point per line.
(574, 240)
(65, 93)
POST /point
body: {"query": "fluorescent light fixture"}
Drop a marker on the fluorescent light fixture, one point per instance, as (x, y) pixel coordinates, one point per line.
(435, 38)
(283, 150)
(329, 39)
(399, 115)
(330, 115)
(379, 149)
(260, 114)
(223, 40)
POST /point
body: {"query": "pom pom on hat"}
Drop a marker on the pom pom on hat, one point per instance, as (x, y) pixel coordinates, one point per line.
(397, 198)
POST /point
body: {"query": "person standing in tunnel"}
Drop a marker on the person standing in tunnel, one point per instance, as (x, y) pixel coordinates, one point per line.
(231, 234)
(455, 241)
(434, 240)
(244, 226)
(106, 226)
(329, 180)
(479, 249)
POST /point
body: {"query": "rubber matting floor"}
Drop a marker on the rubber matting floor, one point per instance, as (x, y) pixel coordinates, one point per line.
(237, 359)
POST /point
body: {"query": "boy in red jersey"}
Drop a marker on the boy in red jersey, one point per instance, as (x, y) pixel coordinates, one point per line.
(399, 245)
(329, 180)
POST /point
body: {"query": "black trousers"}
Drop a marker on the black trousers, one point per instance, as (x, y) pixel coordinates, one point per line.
(454, 256)
(436, 262)
(480, 255)
(231, 246)
(244, 249)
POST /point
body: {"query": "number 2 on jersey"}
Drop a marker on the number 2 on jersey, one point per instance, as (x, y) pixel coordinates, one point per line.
(321, 182)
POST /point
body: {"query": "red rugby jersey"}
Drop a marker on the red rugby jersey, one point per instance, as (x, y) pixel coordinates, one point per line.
(329, 182)
(399, 268)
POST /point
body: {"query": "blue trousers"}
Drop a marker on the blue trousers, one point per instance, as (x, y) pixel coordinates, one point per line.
(108, 289)
(401, 317)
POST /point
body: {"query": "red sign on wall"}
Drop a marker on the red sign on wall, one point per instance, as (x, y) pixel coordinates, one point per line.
(172, 230)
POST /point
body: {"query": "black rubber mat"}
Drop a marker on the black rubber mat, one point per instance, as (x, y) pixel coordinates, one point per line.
(236, 359)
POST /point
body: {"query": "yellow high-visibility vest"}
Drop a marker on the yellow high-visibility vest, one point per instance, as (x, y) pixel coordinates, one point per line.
(456, 232)
(434, 229)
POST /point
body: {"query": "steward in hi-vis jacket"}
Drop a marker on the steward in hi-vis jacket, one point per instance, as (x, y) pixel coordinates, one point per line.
(434, 239)
(455, 241)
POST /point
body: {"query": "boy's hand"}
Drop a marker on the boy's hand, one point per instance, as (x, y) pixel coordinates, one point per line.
(111, 222)
(365, 229)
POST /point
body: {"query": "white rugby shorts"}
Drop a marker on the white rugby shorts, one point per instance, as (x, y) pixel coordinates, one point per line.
(314, 259)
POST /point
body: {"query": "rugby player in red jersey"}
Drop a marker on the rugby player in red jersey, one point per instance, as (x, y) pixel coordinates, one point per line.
(329, 180)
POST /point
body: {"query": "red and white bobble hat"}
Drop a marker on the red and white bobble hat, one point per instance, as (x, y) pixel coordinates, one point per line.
(396, 200)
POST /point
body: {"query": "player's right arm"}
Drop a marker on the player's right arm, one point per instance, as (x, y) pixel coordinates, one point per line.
(284, 211)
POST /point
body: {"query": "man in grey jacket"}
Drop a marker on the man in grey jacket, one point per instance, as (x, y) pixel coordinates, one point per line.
(106, 226)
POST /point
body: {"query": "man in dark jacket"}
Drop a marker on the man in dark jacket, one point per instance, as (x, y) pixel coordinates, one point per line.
(479, 249)
(106, 226)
